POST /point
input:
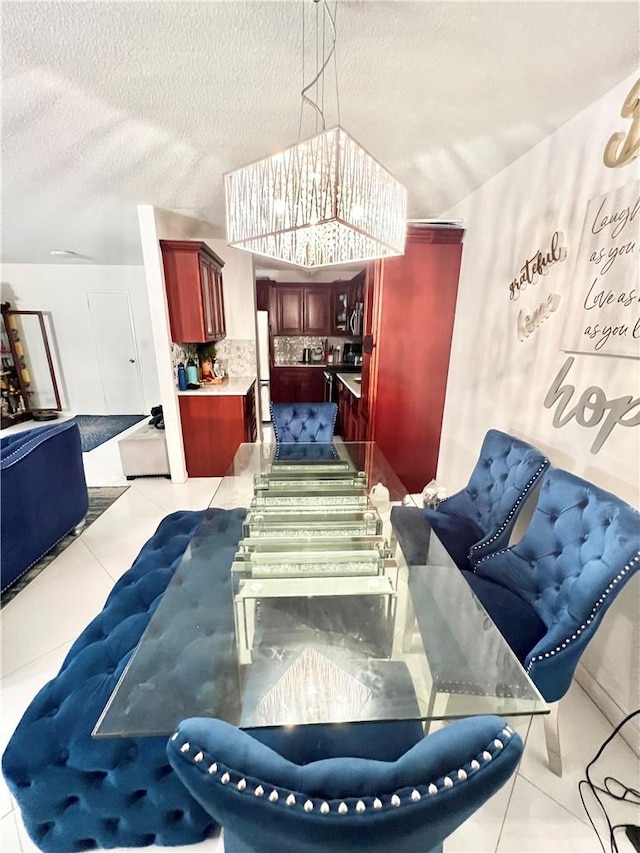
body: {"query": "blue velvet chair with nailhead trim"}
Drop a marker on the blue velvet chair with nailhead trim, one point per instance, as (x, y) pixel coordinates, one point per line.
(548, 594)
(303, 422)
(477, 520)
(266, 803)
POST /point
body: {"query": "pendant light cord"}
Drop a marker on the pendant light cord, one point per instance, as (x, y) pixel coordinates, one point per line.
(320, 69)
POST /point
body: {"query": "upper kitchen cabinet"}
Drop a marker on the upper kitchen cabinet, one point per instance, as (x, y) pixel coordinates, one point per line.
(263, 294)
(316, 315)
(193, 279)
(347, 306)
(302, 310)
(289, 310)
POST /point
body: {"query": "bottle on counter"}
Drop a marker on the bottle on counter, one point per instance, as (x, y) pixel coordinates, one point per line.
(192, 374)
(182, 377)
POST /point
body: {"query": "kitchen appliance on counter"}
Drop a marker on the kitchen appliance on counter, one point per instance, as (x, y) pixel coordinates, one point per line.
(352, 353)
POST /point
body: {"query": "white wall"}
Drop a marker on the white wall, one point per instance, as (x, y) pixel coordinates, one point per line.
(497, 380)
(62, 290)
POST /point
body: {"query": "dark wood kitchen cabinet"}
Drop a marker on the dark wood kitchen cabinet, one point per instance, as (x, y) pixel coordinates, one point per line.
(193, 280)
(348, 413)
(302, 310)
(410, 303)
(288, 310)
(346, 296)
(297, 385)
(317, 311)
(213, 427)
(263, 293)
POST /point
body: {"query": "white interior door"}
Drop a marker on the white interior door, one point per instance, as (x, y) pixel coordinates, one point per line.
(116, 351)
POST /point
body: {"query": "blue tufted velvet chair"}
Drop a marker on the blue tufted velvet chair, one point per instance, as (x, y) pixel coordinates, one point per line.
(43, 491)
(303, 422)
(549, 593)
(478, 519)
(315, 451)
(352, 805)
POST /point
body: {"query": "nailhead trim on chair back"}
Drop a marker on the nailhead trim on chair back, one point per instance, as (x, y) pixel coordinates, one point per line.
(581, 546)
(503, 477)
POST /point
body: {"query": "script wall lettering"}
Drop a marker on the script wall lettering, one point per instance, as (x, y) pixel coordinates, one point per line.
(592, 409)
(528, 321)
(622, 149)
(604, 311)
(538, 264)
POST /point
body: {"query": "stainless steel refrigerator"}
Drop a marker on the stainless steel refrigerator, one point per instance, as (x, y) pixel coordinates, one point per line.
(264, 379)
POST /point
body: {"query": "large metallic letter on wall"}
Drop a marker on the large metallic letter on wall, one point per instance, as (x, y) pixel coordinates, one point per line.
(622, 149)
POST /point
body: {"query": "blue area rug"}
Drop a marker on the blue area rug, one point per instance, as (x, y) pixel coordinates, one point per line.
(96, 429)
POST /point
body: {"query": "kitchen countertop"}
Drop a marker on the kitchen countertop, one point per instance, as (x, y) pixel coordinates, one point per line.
(234, 386)
(345, 366)
(348, 380)
(303, 364)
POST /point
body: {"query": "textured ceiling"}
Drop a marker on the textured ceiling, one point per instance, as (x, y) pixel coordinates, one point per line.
(107, 105)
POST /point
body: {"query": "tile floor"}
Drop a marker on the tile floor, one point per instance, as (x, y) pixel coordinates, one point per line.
(536, 811)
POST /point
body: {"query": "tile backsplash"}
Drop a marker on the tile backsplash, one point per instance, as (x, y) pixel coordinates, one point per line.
(182, 353)
(236, 357)
(288, 350)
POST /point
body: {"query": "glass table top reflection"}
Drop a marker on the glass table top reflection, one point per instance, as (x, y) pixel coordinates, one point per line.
(317, 618)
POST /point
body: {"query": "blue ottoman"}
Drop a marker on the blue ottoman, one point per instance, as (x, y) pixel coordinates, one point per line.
(77, 792)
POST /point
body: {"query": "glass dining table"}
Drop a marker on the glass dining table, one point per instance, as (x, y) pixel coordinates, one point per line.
(315, 617)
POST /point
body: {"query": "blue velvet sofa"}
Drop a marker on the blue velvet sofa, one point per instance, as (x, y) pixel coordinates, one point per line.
(76, 792)
(44, 494)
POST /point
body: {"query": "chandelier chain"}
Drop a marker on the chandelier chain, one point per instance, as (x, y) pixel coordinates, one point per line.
(320, 68)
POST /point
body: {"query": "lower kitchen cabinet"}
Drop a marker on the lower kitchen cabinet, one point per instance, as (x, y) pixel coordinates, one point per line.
(213, 427)
(297, 385)
(349, 421)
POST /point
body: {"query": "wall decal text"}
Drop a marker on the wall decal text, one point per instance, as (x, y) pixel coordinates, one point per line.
(528, 322)
(622, 149)
(603, 317)
(538, 264)
(593, 407)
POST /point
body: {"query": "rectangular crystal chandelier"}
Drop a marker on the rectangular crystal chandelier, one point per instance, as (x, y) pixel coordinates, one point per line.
(321, 202)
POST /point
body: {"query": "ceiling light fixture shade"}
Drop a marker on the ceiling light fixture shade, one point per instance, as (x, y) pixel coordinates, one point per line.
(321, 202)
